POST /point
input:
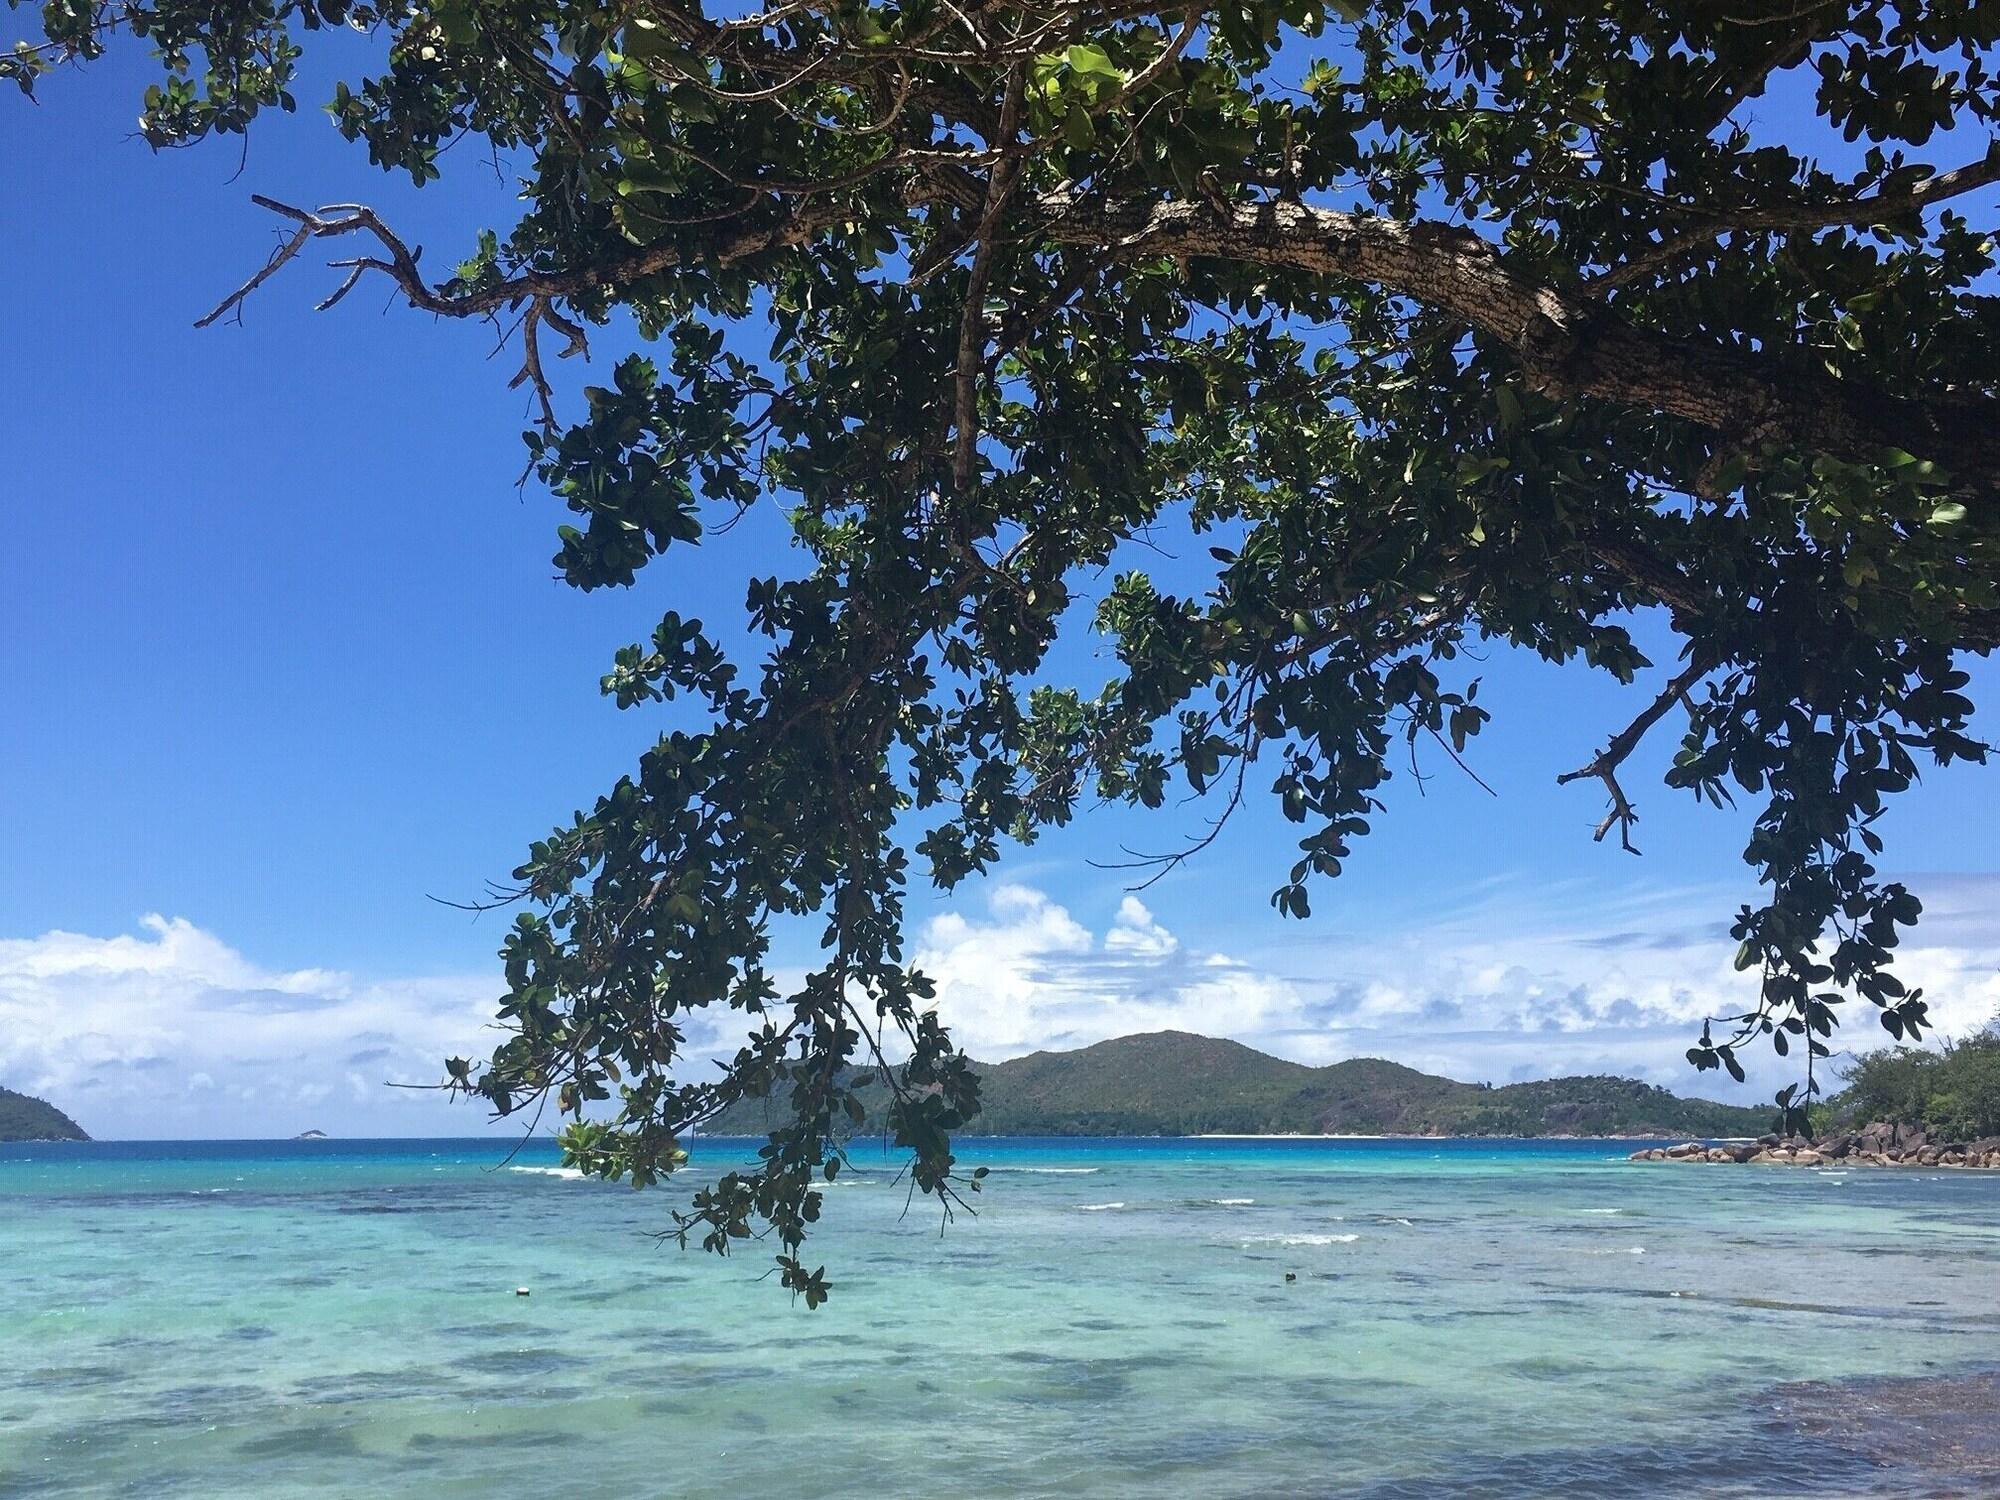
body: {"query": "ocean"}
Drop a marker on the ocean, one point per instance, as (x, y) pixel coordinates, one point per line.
(1468, 1318)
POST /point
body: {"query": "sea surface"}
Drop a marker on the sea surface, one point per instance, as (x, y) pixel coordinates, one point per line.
(1469, 1318)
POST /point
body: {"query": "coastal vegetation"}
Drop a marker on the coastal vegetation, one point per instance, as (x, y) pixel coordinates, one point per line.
(1174, 1083)
(1902, 1106)
(1418, 328)
(23, 1118)
(1951, 1091)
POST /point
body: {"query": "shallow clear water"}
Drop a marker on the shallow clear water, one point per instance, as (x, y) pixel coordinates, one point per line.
(1468, 1319)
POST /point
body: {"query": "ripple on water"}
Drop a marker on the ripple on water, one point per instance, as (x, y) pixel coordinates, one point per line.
(54, 1378)
(687, 1341)
(301, 1441)
(1547, 1367)
(350, 1386)
(183, 1404)
(433, 1444)
(515, 1362)
(1060, 1380)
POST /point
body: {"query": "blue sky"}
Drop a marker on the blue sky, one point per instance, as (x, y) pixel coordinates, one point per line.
(282, 657)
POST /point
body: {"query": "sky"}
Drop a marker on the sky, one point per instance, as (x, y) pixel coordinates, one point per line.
(284, 668)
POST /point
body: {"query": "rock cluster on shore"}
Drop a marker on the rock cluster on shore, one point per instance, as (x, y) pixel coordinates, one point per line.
(1877, 1145)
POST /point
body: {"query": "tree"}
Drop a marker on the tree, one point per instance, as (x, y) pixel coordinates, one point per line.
(1503, 320)
(1953, 1091)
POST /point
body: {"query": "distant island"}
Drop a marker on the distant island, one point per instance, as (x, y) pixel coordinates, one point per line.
(310, 1135)
(1177, 1083)
(27, 1119)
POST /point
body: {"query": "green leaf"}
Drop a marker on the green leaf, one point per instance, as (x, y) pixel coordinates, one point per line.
(1090, 60)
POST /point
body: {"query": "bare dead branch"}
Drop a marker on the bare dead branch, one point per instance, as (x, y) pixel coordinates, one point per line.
(353, 275)
(1605, 766)
(279, 258)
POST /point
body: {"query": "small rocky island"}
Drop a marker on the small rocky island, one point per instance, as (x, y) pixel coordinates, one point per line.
(1878, 1145)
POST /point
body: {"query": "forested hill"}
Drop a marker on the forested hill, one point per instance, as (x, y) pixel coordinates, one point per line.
(26, 1119)
(1175, 1083)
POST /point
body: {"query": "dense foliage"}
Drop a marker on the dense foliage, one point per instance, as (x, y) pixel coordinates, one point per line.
(1171, 1083)
(1502, 320)
(1952, 1091)
(23, 1118)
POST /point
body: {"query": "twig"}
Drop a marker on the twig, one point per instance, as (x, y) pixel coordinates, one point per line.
(1605, 766)
(1875, 208)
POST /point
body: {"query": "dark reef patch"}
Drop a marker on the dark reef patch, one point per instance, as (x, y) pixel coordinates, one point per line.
(1940, 1431)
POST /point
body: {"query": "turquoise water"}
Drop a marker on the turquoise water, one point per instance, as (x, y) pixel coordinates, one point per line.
(1468, 1319)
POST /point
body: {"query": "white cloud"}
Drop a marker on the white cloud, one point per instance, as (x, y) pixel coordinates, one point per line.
(1031, 976)
(1136, 932)
(170, 1031)
(1500, 988)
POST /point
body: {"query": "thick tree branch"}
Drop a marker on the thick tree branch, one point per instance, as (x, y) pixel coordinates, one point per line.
(1567, 346)
(1651, 574)
(972, 318)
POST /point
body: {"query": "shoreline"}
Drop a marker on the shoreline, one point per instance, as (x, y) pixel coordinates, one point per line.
(1881, 1144)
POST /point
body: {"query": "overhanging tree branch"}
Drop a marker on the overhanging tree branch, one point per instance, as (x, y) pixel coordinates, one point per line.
(1567, 345)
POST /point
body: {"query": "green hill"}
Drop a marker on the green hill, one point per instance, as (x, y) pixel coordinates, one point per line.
(1175, 1083)
(26, 1119)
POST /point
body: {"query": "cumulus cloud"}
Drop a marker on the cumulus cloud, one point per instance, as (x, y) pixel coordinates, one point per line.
(1029, 975)
(171, 1031)
(1500, 988)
